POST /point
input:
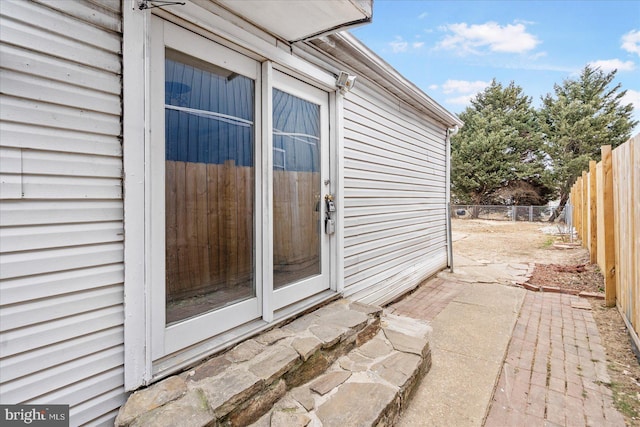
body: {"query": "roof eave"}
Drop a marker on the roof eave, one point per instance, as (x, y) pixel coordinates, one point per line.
(377, 69)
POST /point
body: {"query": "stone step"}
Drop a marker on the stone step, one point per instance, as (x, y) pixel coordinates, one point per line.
(366, 387)
(239, 386)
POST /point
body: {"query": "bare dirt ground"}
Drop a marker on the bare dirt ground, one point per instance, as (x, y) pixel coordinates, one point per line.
(508, 241)
(561, 264)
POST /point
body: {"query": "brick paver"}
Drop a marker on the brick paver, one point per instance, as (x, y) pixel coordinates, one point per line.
(555, 371)
(428, 300)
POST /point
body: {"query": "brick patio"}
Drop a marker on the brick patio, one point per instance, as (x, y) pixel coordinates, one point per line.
(428, 300)
(555, 372)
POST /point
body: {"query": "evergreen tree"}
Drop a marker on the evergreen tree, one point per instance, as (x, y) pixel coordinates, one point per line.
(584, 115)
(496, 157)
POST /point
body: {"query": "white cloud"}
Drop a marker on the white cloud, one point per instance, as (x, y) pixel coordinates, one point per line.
(632, 97)
(399, 45)
(464, 86)
(523, 21)
(465, 90)
(631, 42)
(461, 100)
(423, 15)
(607, 65)
(538, 55)
(511, 38)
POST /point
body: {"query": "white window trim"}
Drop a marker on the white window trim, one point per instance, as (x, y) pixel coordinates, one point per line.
(134, 133)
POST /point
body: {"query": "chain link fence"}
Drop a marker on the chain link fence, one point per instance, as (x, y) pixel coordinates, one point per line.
(507, 213)
(562, 226)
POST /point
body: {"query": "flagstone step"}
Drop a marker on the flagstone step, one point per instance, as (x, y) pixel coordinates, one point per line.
(239, 386)
(366, 387)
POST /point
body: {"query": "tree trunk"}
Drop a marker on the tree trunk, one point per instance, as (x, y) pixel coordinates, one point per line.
(477, 200)
(557, 211)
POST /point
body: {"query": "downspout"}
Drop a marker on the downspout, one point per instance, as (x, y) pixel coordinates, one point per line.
(450, 132)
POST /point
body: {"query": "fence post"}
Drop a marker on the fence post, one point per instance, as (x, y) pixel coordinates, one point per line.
(578, 208)
(568, 218)
(608, 238)
(574, 201)
(593, 211)
(585, 210)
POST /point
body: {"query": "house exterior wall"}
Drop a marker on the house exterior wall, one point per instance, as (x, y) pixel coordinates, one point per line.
(61, 274)
(394, 196)
(61, 194)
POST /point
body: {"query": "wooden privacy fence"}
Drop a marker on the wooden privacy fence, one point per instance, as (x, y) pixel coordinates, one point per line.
(606, 215)
(210, 227)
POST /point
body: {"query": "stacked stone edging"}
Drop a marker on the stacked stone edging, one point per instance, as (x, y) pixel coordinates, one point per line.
(367, 387)
(239, 386)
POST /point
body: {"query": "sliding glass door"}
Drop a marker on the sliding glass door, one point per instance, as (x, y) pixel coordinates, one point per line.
(215, 161)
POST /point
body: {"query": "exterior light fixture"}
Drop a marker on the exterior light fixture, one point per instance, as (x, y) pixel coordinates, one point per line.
(345, 82)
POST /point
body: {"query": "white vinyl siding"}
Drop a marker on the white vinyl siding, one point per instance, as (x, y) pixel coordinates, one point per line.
(394, 197)
(61, 230)
(61, 195)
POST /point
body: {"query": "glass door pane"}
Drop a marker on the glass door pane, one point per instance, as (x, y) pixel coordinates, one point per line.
(209, 187)
(296, 189)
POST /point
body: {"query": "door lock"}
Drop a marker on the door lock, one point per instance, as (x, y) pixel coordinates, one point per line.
(329, 223)
(331, 206)
(329, 226)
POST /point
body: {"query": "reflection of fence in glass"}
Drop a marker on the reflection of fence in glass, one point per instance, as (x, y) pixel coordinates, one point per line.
(209, 236)
(506, 213)
(296, 215)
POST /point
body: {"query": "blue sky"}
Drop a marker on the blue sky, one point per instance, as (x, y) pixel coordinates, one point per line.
(452, 49)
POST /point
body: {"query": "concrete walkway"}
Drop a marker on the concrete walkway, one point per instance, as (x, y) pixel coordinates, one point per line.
(471, 333)
(505, 356)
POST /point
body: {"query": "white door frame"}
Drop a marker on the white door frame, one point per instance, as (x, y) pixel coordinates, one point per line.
(139, 367)
(298, 291)
(168, 339)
